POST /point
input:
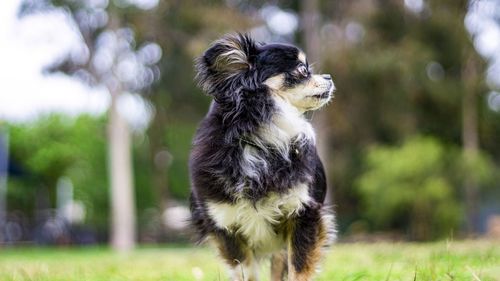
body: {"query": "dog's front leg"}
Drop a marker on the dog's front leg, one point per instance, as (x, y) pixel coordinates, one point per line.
(306, 244)
(243, 266)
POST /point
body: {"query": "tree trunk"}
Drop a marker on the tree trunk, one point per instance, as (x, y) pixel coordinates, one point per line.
(470, 144)
(311, 40)
(120, 166)
(4, 173)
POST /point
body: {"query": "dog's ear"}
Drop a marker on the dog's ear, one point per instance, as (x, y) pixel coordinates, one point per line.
(226, 64)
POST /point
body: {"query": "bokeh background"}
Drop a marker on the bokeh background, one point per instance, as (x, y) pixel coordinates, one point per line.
(98, 106)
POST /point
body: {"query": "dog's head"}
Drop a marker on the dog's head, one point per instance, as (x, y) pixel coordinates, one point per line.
(236, 63)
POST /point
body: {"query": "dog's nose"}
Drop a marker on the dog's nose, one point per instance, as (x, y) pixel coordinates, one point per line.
(326, 76)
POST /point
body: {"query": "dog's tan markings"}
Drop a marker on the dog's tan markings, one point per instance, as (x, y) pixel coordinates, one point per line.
(278, 267)
(275, 82)
(302, 57)
(324, 238)
(234, 58)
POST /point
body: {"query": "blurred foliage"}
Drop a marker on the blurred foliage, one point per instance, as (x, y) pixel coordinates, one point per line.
(404, 77)
(408, 187)
(178, 141)
(399, 75)
(417, 186)
(58, 146)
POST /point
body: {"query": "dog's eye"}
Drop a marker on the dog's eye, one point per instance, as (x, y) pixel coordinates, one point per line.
(302, 70)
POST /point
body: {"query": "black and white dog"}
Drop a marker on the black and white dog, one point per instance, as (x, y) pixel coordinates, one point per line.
(258, 184)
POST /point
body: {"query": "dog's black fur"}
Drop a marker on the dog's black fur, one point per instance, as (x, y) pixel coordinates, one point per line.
(242, 103)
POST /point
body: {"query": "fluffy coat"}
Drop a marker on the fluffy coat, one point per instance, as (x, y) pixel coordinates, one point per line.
(258, 185)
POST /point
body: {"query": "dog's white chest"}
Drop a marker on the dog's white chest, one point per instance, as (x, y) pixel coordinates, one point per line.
(257, 222)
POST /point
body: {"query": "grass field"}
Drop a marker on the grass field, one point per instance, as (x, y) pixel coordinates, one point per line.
(471, 260)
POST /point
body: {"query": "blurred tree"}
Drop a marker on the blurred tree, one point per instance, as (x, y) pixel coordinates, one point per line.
(407, 187)
(400, 70)
(109, 57)
(311, 21)
(58, 146)
(54, 147)
(476, 133)
(4, 170)
(470, 138)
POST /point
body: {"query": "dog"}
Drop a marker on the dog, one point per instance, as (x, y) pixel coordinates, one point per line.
(258, 185)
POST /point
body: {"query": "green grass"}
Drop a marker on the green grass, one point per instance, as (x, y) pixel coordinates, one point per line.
(470, 260)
